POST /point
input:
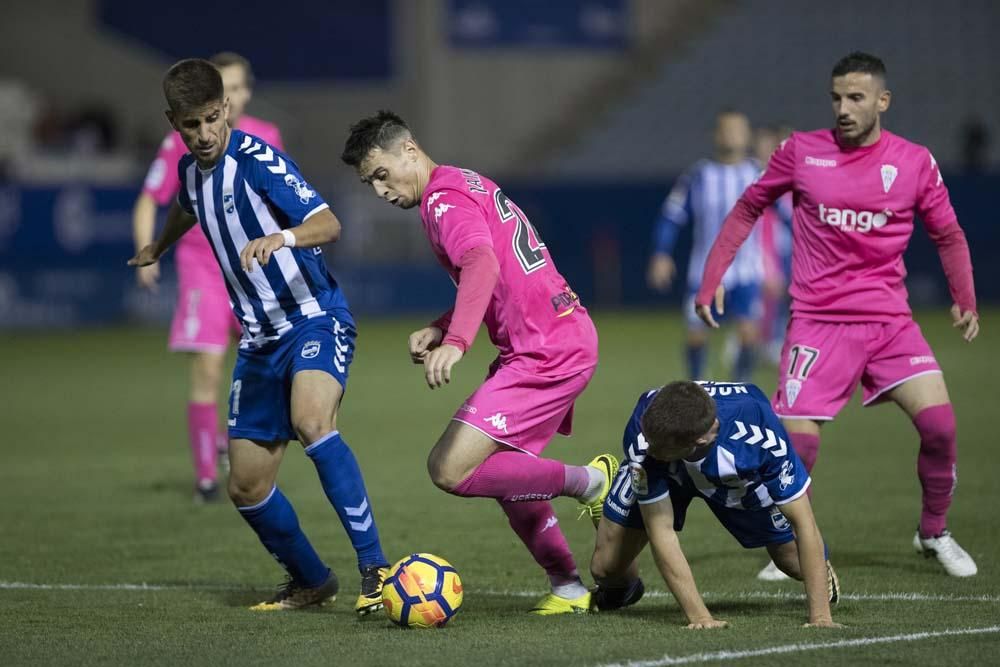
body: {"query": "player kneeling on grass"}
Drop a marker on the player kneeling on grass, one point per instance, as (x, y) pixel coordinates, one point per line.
(723, 443)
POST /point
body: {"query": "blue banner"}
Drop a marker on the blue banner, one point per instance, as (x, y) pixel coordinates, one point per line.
(562, 24)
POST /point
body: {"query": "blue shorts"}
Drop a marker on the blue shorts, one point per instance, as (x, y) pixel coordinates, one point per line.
(743, 302)
(260, 398)
(751, 528)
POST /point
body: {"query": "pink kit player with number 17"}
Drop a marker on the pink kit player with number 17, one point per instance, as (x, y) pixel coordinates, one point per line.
(857, 189)
(547, 343)
(203, 323)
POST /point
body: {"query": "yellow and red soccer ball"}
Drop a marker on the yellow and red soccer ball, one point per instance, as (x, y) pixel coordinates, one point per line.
(422, 591)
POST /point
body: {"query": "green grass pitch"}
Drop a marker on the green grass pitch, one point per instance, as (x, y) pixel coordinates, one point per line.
(95, 500)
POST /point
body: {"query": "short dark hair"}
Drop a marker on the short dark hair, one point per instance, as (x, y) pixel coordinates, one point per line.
(863, 63)
(192, 84)
(230, 58)
(382, 130)
(679, 414)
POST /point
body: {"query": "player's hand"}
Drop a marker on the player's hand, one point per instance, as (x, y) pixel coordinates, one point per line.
(438, 363)
(705, 312)
(148, 276)
(968, 322)
(145, 257)
(661, 272)
(825, 623)
(260, 249)
(709, 624)
(423, 341)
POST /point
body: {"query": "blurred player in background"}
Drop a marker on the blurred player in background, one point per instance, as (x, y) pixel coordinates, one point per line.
(721, 442)
(857, 188)
(702, 196)
(776, 251)
(547, 342)
(203, 323)
(265, 226)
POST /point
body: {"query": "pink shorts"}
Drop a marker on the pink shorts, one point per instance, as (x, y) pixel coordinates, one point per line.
(203, 320)
(524, 411)
(822, 363)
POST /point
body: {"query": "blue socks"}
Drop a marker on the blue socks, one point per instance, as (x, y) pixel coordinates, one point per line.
(345, 487)
(276, 525)
(696, 361)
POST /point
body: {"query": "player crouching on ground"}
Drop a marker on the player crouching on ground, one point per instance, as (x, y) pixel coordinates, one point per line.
(723, 443)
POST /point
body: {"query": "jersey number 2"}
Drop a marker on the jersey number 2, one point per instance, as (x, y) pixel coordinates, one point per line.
(526, 242)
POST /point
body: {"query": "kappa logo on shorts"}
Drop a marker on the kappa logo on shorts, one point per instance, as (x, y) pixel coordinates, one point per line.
(499, 421)
(778, 520)
(785, 476)
(311, 349)
(792, 389)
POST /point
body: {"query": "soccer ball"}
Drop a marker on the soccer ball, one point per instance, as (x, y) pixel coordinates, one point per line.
(422, 591)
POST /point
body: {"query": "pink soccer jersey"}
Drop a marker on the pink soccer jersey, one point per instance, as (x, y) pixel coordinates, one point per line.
(852, 220)
(162, 182)
(534, 318)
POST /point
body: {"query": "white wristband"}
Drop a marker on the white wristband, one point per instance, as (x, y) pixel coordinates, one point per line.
(289, 238)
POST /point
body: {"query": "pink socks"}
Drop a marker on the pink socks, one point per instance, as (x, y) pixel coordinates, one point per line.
(936, 465)
(203, 427)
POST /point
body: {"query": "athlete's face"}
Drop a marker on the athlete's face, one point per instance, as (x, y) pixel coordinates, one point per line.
(858, 100)
(732, 136)
(394, 174)
(234, 80)
(204, 131)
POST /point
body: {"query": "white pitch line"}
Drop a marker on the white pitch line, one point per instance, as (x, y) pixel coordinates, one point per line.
(746, 595)
(719, 656)
(765, 595)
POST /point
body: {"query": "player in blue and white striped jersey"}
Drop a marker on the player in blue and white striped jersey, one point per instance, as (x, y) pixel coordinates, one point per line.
(266, 225)
(702, 197)
(722, 443)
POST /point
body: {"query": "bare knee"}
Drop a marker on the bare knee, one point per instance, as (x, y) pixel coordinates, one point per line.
(310, 429)
(246, 492)
(444, 473)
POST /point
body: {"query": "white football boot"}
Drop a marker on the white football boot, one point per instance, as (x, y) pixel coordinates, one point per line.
(772, 573)
(956, 561)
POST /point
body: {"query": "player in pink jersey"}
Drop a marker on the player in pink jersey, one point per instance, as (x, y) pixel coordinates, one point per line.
(857, 188)
(203, 323)
(547, 342)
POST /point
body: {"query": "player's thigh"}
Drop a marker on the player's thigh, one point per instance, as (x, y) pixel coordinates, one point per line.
(821, 364)
(253, 469)
(459, 451)
(315, 397)
(786, 556)
(902, 368)
(615, 551)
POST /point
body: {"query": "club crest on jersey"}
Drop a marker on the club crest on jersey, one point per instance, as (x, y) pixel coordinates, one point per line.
(785, 476)
(311, 349)
(889, 173)
(302, 190)
(640, 482)
(792, 389)
(227, 202)
(778, 520)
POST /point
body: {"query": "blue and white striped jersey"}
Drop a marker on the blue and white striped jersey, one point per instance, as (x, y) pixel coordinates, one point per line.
(703, 196)
(750, 466)
(253, 191)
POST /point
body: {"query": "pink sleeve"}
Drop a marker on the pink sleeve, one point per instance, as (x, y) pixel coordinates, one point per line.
(478, 275)
(162, 182)
(934, 208)
(774, 182)
(461, 224)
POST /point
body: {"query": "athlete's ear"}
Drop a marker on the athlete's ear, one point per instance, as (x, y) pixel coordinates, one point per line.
(225, 108)
(410, 147)
(884, 98)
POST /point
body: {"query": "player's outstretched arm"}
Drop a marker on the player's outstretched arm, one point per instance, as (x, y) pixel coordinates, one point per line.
(811, 561)
(143, 226)
(179, 222)
(673, 565)
(319, 228)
